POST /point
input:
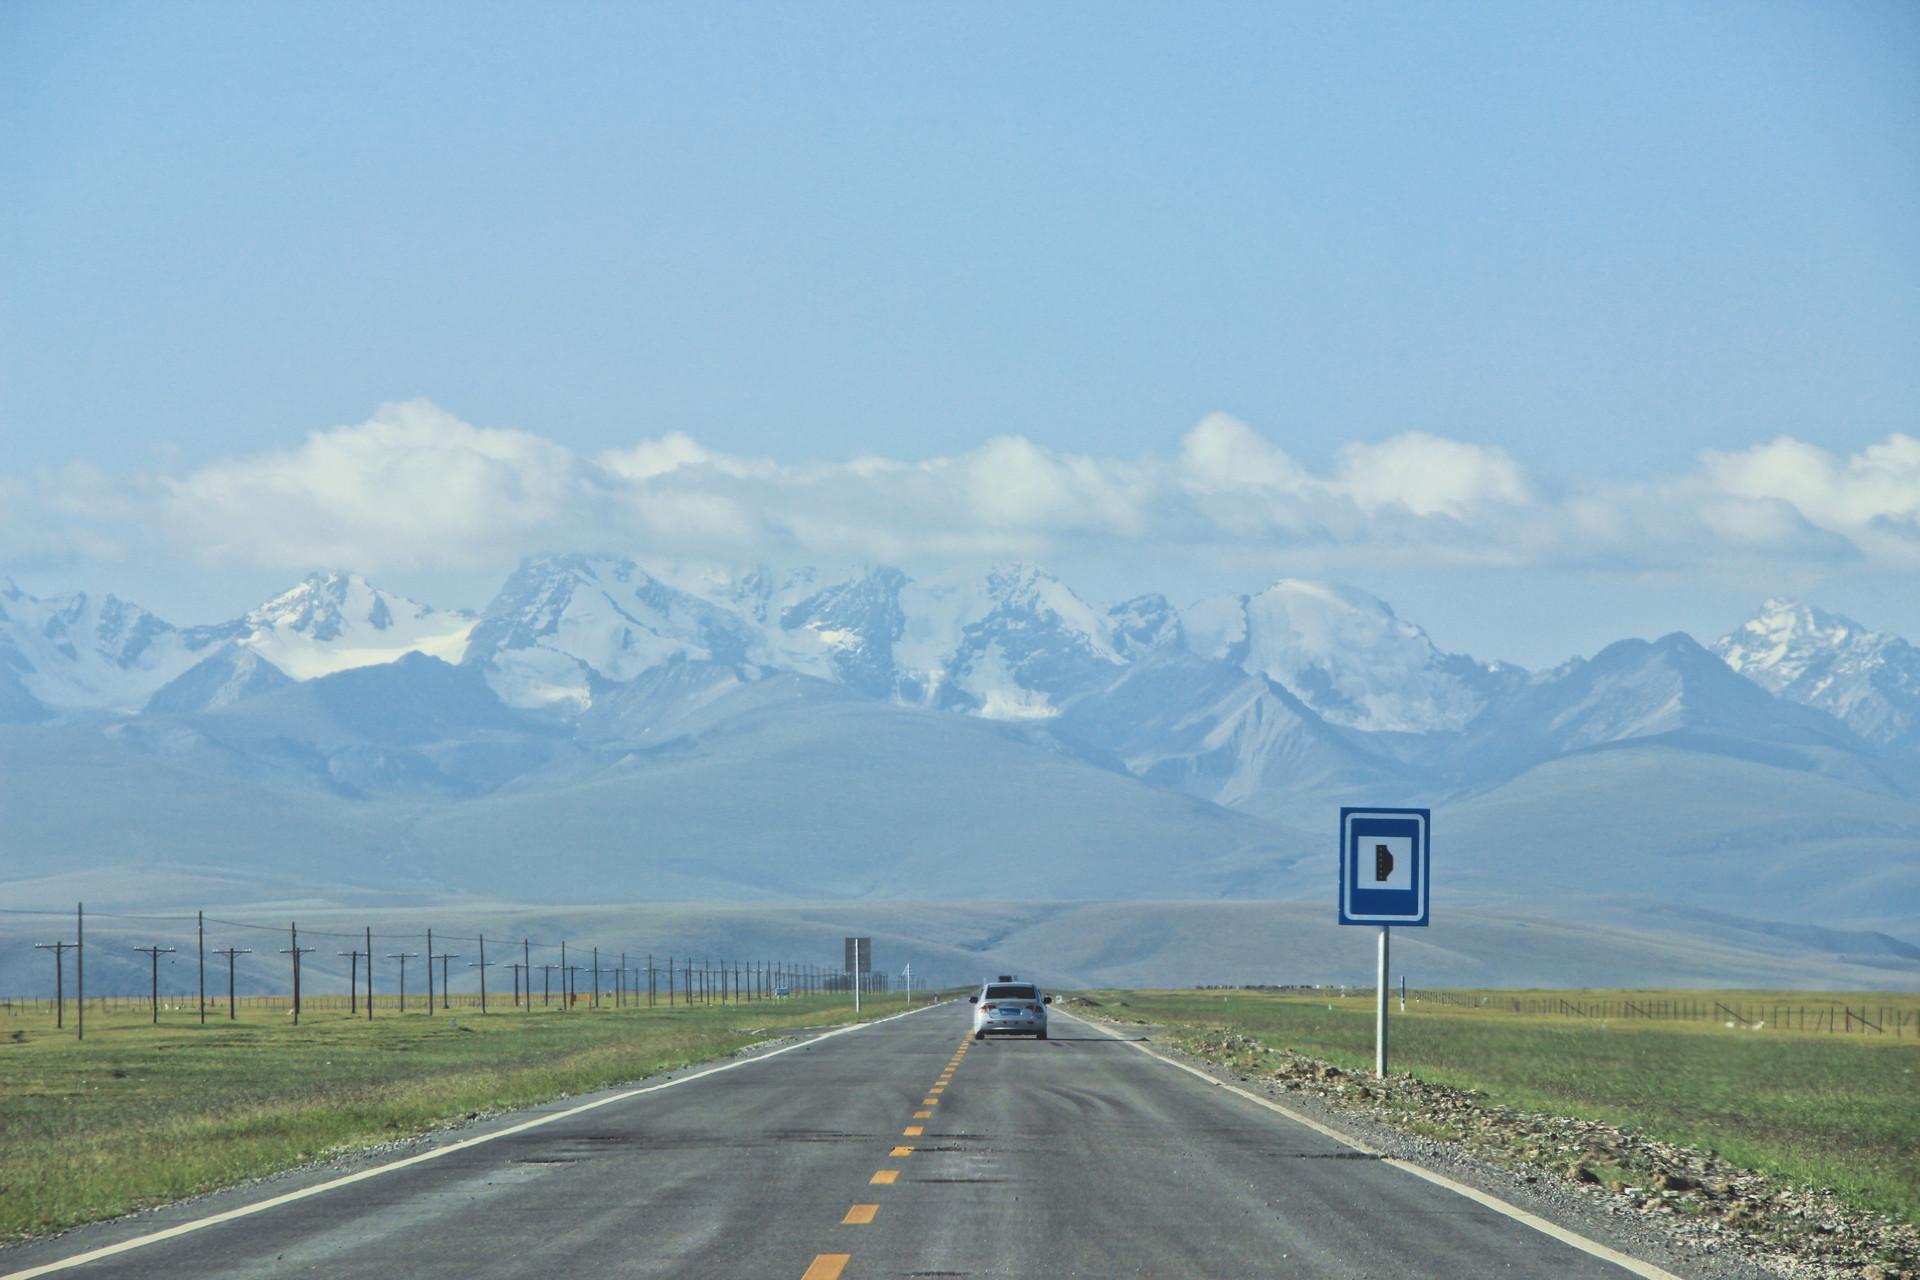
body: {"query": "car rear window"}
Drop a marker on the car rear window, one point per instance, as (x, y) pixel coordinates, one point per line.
(1012, 993)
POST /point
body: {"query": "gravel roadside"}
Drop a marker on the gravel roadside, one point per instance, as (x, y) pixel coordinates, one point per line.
(1680, 1208)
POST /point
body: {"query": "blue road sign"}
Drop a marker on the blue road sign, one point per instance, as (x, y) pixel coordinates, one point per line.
(1383, 865)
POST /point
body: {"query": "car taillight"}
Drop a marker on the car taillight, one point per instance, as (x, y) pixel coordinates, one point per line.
(986, 1008)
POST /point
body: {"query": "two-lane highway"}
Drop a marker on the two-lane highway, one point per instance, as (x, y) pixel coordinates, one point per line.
(902, 1148)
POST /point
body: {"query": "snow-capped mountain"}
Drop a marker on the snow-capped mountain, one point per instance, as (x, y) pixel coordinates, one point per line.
(853, 625)
(832, 697)
(1284, 697)
(1013, 645)
(562, 622)
(1210, 729)
(1347, 655)
(1010, 644)
(1868, 679)
(1670, 689)
(338, 621)
(82, 652)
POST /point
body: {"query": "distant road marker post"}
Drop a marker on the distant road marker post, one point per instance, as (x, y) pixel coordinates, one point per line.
(1383, 882)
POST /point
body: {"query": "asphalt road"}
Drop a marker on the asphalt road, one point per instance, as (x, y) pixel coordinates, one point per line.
(899, 1149)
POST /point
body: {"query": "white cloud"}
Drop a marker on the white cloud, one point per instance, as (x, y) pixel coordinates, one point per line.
(1222, 454)
(412, 487)
(1430, 476)
(1872, 497)
(415, 487)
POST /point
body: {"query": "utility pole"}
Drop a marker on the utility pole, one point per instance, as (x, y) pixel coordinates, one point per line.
(295, 950)
(570, 981)
(154, 954)
(200, 919)
(353, 981)
(483, 964)
(429, 970)
(596, 977)
(403, 957)
(526, 961)
(369, 973)
(546, 985)
(445, 989)
(59, 950)
(565, 1002)
(230, 953)
(516, 984)
(669, 982)
(620, 984)
(80, 968)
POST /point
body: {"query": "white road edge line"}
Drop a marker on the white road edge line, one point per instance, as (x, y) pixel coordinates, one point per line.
(1626, 1262)
(320, 1188)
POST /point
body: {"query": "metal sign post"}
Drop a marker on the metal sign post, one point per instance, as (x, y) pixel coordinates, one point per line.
(859, 957)
(1384, 881)
(1380, 1006)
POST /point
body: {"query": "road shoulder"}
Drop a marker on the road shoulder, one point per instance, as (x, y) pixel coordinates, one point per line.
(1528, 1192)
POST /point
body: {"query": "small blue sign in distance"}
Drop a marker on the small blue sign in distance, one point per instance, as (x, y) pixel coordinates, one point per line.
(1383, 865)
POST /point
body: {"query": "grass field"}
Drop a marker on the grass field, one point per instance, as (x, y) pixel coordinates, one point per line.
(1831, 1110)
(139, 1115)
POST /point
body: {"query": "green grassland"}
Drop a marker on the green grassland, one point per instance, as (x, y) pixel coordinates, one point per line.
(139, 1115)
(1832, 1110)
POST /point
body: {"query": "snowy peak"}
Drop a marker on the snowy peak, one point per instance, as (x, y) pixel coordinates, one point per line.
(1868, 679)
(562, 621)
(1144, 625)
(325, 606)
(855, 624)
(337, 621)
(1011, 646)
(1347, 655)
(82, 652)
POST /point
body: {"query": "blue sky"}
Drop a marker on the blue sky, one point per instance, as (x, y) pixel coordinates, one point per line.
(1587, 244)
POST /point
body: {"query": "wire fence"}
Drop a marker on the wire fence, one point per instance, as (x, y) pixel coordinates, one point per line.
(383, 972)
(1830, 1016)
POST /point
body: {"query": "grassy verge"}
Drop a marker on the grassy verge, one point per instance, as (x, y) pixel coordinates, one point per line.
(140, 1115)
(1833, 1111)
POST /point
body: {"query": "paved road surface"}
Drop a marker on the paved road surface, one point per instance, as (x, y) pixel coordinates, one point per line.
(1079, 1156)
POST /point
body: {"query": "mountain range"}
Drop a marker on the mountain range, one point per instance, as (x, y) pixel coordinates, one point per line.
(658, 731)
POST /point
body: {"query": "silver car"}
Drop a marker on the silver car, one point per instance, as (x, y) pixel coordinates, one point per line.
(1009, 1008)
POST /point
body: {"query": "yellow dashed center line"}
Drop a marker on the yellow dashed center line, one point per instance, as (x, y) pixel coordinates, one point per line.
(901, 1151)
(884, 1178)
(860, 1215)
(923, 1115)
(928, 1102)
(827, 1266)
(913, 1131)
